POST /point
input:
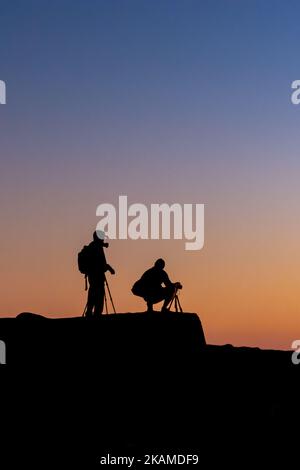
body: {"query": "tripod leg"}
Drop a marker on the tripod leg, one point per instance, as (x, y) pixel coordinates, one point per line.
(105, 302)
(109, 293)
(173, 300)
(84, 311)
(170, 304)
(179, 305)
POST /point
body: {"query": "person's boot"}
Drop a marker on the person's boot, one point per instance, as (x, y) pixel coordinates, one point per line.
(89, 313)
(150, 307)
(97, 313)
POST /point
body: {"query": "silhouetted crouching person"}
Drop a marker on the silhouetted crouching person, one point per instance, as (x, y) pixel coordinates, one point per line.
(150, 286)
(97, 268)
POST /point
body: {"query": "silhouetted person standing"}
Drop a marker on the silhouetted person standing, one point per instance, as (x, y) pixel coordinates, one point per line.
(155, 286)
(97, 267)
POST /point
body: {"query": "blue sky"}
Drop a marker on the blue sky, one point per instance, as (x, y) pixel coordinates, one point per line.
(162, 100)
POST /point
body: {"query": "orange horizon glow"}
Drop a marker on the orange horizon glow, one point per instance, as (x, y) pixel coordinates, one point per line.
(241, 303)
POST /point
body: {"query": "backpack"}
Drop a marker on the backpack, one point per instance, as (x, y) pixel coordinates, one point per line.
(84, 260)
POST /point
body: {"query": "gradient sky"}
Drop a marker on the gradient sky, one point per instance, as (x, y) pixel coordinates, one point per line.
(164, 101)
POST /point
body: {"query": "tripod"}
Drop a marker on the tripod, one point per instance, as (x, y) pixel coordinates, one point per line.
(106, 287)
(110, 297)
(176, 301)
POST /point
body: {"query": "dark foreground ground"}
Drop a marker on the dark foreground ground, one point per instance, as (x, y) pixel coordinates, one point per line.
(74, 390)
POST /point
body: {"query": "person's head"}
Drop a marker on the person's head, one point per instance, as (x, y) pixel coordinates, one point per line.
(99, 236)
(159, 264)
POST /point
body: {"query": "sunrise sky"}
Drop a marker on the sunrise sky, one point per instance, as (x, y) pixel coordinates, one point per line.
(163, 101)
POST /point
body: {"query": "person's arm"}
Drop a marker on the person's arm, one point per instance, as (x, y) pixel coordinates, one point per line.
(110, 269)
(166, 280)
(168, 283)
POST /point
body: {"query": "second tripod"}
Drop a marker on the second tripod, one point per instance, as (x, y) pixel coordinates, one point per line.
(176, 301)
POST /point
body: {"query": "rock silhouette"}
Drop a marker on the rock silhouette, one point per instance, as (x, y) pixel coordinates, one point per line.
(130, 384)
